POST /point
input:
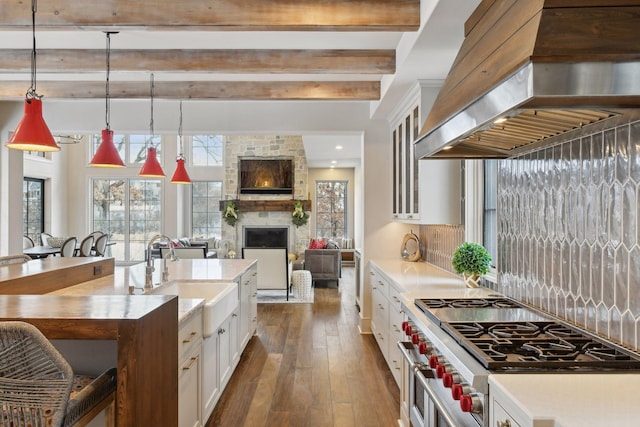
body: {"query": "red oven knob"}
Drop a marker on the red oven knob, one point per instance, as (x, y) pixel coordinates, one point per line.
(457, 390)
(405, 324)
(415, 338)
(470, 403)
(408, 329)
(449, 379)
(424, 348)
(434, 361)
(442, 369)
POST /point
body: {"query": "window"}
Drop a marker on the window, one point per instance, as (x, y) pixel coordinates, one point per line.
(129, 210)
(207, 150)
(206, 219)
(490, 231)
(33, 207)
(331, 212)
(135, 145)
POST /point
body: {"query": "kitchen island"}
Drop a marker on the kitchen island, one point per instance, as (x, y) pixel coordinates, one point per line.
(145, 327)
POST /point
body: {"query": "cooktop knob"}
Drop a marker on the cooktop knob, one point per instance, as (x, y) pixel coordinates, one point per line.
(442, 369)
(449, 379)
(457, 390)
(424, 348)
(470, 403)
(408, 329)
(434, 361)
(416, 338)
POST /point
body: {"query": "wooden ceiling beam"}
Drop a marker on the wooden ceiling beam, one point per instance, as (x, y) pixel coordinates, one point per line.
(273, 61)
(236, 15)
(230, 90)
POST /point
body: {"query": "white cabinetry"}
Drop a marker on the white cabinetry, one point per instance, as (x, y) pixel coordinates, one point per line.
(248, 289)
(506, 413)
(190, 372)
(424, 191)
(386, 319)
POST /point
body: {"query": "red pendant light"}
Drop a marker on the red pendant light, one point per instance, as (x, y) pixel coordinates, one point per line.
(151, 167)
(107, 155)
(32, 133)
(180, 176)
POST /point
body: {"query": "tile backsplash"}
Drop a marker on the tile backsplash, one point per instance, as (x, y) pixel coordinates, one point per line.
(439, 242)
(569, 231)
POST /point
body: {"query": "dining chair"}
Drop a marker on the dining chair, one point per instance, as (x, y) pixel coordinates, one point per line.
(27, 242)
(44, 238)
(86, 246)
(101, 245)
(96, 234)
(68, 248)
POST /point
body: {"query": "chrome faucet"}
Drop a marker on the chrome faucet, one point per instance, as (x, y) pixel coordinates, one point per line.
(148, 282)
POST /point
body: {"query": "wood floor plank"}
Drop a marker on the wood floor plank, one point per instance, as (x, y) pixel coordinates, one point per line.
(308, 366)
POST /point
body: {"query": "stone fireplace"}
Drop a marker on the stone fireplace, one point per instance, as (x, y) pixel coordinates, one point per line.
(267, 146)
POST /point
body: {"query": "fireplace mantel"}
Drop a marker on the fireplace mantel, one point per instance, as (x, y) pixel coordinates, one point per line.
(266, 205)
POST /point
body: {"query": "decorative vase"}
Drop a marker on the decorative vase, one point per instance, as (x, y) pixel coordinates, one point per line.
(471, 280)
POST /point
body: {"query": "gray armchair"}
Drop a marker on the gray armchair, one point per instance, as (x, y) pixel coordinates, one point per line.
(324, 264)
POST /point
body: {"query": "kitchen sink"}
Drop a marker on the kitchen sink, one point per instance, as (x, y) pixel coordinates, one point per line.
(221, 299)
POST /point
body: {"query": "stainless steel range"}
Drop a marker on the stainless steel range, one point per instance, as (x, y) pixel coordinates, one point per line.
(453, 345)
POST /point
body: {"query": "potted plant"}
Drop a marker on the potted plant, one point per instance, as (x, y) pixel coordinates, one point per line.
(472, 261)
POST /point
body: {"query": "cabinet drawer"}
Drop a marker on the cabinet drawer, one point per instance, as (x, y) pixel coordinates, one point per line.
(395, 325)
(501, 417)
(189, 335)
(395, 302)
(379, 284)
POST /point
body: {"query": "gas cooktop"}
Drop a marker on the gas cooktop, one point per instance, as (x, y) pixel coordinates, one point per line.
(503, 334)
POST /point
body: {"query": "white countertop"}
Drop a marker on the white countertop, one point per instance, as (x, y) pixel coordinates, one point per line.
(212, 270)
(574, 400)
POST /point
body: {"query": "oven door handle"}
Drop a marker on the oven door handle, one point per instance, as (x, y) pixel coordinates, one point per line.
(440, 406)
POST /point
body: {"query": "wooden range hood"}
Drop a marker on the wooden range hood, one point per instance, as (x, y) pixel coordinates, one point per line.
(540, 68)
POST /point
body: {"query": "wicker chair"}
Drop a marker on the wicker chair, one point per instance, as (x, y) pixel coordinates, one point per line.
(37, 385)
(35, 380)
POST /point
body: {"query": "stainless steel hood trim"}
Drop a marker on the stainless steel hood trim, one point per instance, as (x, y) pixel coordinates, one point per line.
(531, 81)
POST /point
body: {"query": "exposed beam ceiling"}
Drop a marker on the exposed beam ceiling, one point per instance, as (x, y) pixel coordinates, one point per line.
(237, 15)
(227, 49)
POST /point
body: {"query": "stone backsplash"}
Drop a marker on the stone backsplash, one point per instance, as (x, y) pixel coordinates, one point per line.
(568, 232)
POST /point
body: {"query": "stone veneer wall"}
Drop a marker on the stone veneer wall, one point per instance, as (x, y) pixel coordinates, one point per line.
(439, 242)
(568, 231)
(265, 146)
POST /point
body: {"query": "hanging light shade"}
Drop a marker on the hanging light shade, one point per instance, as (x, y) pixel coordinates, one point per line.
(32, 133)
(151, 167)
(107, 156)
(180, 176)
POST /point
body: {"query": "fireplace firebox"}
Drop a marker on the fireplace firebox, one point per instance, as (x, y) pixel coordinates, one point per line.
(266, 237)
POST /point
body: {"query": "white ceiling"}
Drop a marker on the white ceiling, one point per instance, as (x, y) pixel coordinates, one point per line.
(423, 55)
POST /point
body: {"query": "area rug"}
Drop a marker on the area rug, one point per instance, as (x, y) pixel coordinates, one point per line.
(279, 296)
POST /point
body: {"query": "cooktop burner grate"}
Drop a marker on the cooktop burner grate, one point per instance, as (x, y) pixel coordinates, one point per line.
(429, 303)
(538, 345)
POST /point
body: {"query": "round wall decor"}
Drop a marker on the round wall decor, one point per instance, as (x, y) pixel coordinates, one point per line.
(410, 249)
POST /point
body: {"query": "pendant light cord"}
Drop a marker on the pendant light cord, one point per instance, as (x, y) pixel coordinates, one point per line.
(151, 123)
(180, 154)
(31, 93)
(107, 97)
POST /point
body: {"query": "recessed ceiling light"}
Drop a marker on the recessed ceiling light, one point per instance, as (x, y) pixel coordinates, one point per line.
(333, 162)
(339, 147)
(447, 147)
(500, 120)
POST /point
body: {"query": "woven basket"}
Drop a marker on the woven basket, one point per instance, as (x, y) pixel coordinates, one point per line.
(301, 284)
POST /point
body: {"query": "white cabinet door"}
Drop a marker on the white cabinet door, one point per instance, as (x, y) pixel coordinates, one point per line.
(248, 287)
(225, 357)
(210, 375)
(189, 390)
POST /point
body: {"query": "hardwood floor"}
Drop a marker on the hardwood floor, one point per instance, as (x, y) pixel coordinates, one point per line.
(309, 366)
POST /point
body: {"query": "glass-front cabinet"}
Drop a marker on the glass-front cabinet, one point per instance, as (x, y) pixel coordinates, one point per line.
(426, 191)
(405, 166)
